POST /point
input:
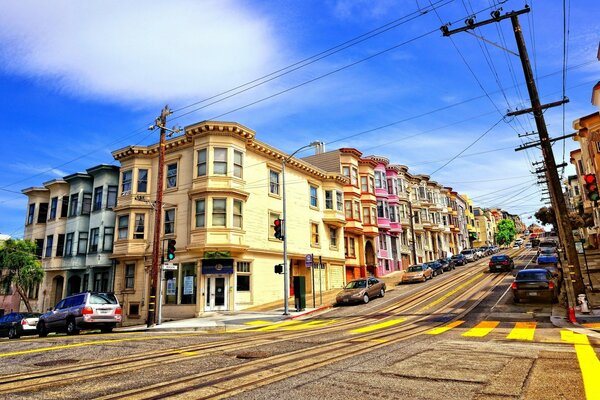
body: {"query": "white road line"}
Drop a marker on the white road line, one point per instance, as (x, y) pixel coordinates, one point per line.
(508, 288)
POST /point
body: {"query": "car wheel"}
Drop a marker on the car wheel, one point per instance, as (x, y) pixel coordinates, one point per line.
(106, 330)
(41, 328)
(366, 298)
(381, 292)
(434, 273)
(12, 333)
(72, 327)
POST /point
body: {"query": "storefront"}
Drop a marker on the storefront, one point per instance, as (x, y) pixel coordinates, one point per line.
(216, 275)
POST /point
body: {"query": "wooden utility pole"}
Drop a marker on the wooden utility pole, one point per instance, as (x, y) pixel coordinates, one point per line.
(573, 277)
(154, 277)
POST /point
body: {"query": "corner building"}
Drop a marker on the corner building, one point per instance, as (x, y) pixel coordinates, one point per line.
(222, 194)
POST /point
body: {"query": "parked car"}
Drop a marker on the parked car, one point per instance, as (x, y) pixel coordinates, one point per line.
(16, 324)
(547, 255)
(528, 245)
(358, 291)
(537, 284)
(470, 255)
(459, 259)
(501, 262)
(417, 273)
(89, 310)
(436, 267)
(448, 263)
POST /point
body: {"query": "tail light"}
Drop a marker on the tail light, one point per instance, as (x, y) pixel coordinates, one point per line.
(550, 285)
(24, 322)
(491, 263)
(118, 311)
(87, 310)
(514, 285)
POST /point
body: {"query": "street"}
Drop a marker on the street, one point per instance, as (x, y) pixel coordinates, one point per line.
(456, 336)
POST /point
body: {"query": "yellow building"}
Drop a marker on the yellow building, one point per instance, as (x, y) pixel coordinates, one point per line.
(222, 194)
(470, 217)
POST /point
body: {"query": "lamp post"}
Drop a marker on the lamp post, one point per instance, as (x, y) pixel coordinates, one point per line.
(412, 226)
(286, 267)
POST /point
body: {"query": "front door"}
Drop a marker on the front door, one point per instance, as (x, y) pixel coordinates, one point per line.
(216, 293)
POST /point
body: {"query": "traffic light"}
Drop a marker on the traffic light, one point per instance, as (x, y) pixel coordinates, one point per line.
(277, 225)
(171, 249)
(591, 187)
(279, 269)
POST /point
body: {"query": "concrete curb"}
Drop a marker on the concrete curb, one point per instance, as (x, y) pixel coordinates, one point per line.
(316, 310)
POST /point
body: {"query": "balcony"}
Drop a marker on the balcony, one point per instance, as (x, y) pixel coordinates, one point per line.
(334, 218)
(209, 239)
(134, 247)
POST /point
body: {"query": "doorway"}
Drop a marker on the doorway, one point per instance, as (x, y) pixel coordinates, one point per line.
(217, 288)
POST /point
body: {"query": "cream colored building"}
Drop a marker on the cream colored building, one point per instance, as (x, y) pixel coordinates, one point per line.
(222, 194)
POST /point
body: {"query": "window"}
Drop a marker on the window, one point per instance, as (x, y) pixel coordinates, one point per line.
(346, 171)
(129, 276)
(30, 214)
(142, 182)
(171, 175)
(371, 184)
(393, 214)
(69, 245)
(273, 182)
(314, 237)
(313, 196)
(200, 213)
(111, 199)
(169, 221)
(126, 182)
(201, 167)
(348, 209)
(39, 247)
(220, 161)
(237, 213)
(340, 200)
(60, 245)
(242, 276)
(123, 227)
(382, 242)
(64, 208)
(101, 281)
(53, 206)
(333, 237)
(49, 243)
(392, 188)
(94, 238)
(364, 184)
(367, 214)
(82, 243)
(379, 178)
(108, 238)
(139, 226)
(238, 163)
(354, 177)
(86, 205)
(350, 251)
(43, 213)
(329, 199)
(219, 212)
(98, 198)
(188, 283)
(380, 211)
(73, 204)
(356, 211)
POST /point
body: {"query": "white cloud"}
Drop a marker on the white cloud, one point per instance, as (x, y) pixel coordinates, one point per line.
(137, 51)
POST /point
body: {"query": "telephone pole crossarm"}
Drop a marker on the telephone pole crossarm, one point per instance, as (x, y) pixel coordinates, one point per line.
(473, 25)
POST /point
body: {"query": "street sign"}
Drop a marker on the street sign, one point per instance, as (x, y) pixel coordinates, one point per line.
(169, 266)
(308, 260)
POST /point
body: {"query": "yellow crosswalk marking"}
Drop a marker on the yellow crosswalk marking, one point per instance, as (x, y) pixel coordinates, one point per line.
(593, 325)
(482, 329)
(522, 331)
(276, 326)
(375, 327)
(588, 362)
(442, 329)
(309, 325)
(258, 322)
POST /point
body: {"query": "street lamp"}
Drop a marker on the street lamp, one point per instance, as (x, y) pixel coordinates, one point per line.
(286, 266)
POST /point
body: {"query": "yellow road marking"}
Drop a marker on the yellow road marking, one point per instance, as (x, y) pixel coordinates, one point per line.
(187, 353)
(442, 329)
(594, 325)
(450, 293)
(371, 340)
(522, 331)
(588, 362)
(482, 329)
(276, 326)
(381, 325)
(308, 325)
(95, 342)
(258, 322)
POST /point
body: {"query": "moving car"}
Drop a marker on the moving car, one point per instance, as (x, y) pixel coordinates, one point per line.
(501, 262)
(417, 273)
(547, 255)
(447, 264)
(357, 290)
(459, 259)
(470, 255)
(17, 324)
(528, 245)
(89, 310)
(537, 284)
(436, 267)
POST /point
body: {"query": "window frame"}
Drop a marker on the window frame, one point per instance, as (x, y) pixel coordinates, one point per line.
(126, 181)
(139, 230)
(105, 236)
(202, 162)
(238, 215)
(238, 165)
(142, 180)
(218, 163)
(49, 244)
(94, 239)
(169, 223)
(53, 208)
(123, 229)
(82, 243)
(170, 177)
(274, 184)
(220, 212)
(69, 244)
(313, 193)
(203, 213)
(129, 272)
(97, 199)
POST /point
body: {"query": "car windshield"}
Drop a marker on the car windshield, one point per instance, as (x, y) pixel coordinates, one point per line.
(466, 252)
(356, 285)
(547, 251)
(103, 298)
(531, 276)
(415, 268)
(499, 258)
(456, 256)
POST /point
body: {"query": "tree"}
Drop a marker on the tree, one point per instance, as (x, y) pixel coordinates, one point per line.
(546, 216)
(506, 231)
(24, 268)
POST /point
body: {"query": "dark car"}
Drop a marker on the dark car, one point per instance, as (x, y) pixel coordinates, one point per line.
(459, 259)
(436, 267)
(447, 263)
(501, 262)
(537, 284)
(17, 324)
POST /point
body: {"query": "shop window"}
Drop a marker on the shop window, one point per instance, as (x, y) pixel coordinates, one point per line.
(243, 276)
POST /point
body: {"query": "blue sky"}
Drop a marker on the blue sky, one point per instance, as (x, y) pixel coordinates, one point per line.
(81, 79)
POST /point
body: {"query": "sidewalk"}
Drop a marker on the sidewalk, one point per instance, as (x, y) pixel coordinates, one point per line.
(270, 312)
(591, 280)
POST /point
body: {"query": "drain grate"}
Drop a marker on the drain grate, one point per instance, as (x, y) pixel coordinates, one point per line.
(56, 363)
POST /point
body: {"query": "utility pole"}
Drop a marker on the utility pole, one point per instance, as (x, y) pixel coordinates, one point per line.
(161, 123)
(573, 279)
(412, 228)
